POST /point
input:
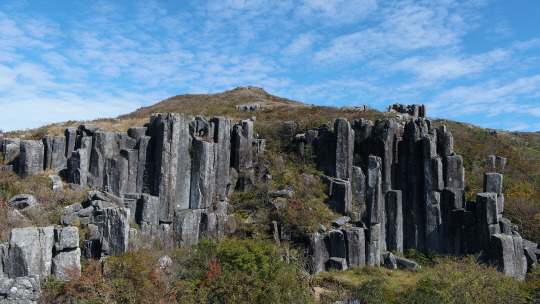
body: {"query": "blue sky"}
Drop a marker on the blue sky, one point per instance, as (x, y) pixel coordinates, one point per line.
(471, 61)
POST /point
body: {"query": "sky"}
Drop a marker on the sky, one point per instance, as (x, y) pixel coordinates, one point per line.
(471, 61)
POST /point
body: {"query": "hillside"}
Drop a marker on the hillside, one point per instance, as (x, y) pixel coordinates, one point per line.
(286, 186)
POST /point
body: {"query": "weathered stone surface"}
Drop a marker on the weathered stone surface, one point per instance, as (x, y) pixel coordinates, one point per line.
(496, 162)
(362, 135)
(407, 264)
(31, 157)
(116, 176)
(445, 142)
(71, 135)
(505, 225)
(132, 157)
(11, 149)
(394, 221)
(493, 183)
(137, 132)
(58, 157)
(47, 151)
(373, 246)
(113, 225)
(383, 144)
(202, 175)
(23, 202)
(66, 265)
(336, 263)
(434, 231)
(429, 145)
(374, 192)
(222, 139)
(88, 129)
(344, 145)
(317, 253)
(66, 238)
(355, 246)
(21, 290)
(486, 208)
(454, 173)
(145, 167)
(341, 195)
(358, 185)
(336, 244)
(241, 153)
(186, 227)
(340, 221)
(507, 255)
(146, 214)
(77, 169)
(172, 164)
(30, 252)
(103, 146)
(433, 174)
(389, 260)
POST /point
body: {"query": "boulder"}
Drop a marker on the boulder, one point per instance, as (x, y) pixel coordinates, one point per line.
(23, 202)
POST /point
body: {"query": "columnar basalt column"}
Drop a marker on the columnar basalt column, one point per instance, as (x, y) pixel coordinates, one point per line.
(172, 177)
(376, 214)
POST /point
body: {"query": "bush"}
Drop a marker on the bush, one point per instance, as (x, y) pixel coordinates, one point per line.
(466, 281)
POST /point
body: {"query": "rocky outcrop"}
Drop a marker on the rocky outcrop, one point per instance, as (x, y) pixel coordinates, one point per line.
(411, 110)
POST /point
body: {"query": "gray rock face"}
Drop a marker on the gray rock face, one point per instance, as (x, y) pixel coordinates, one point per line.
(493, 183)
(389, 260)
(58, 157)
(77, 168)
(71, 135)
(496, 162)
(66, 265)
(486, 208)
(202, 175)
(172, 164)
(433, 174)
(132, 157)
(358, 185)
(355, 246)
(146, 215)
(454, 176)
(434, 231)
(137, 132)
(373, 246)
(242, 154)
(20, 290)
(222, 139)
(66, 238)
(186, 227)
(30, 252)
(116, 175)
(336, 244)
(374, 191)
(337, 263)
(383, 145)
(47, 151)
(407, 264)
(10, 148)
(31, 158)
(103, 146)
(340, 221)
(113, 224)
(340, 195)
(145, 166)
(344, 143)
(23, 202)
(507, 253)
(394, 221)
